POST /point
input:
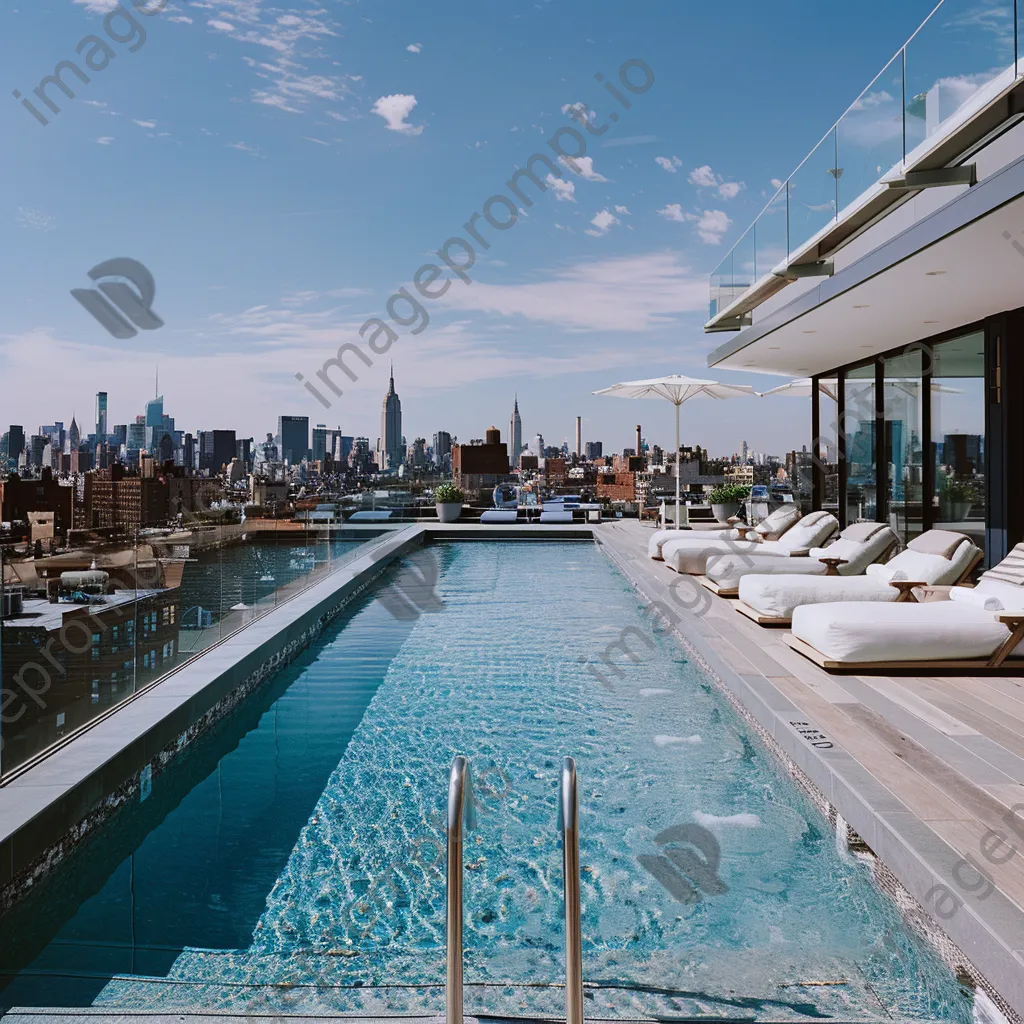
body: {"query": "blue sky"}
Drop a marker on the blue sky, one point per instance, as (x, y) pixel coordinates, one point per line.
(283, 168)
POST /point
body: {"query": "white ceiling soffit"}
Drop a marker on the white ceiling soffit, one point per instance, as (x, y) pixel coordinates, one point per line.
(973, 272)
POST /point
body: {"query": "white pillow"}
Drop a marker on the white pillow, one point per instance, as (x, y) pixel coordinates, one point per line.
(1009, 595)
(977, 598)
(912, 565)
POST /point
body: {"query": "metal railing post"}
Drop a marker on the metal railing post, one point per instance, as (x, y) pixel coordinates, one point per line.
(460, 806)
(571, 876)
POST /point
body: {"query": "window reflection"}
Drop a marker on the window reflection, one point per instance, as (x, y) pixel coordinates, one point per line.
(958, 435)
(904, 455)
(859, 428)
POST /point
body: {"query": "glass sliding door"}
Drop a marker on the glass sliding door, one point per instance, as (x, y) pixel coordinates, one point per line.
(903, 442)
(958, 496)
(858, 428)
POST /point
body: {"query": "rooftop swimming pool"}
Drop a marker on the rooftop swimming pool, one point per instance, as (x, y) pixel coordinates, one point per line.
(292, 860)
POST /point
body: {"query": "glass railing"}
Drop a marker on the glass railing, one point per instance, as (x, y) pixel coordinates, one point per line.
(963, 55)
(85, 629)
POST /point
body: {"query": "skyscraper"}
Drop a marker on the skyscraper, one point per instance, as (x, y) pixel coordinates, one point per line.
(15, 443)
(579, 437)
(390, 455)
(74, 438)
(320, 442)
(101, 416)
(515, 434)
(293, 437)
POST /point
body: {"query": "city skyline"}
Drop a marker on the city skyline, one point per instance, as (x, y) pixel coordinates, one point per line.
(605, 277)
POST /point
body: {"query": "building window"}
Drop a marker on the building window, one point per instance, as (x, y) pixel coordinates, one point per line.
(958, 435)
(859, 428)
(903, 438)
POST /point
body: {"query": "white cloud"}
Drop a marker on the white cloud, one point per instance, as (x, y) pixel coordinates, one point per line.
(672, 212)
(670, 164)
(221, 26)
(36, 219)
(181, 19)
(711, 226)
(703, 177)
(777, 183)
(395, 109)
(584, 167)
(602, 222)
(623, 210)
(414, 47)
(105, 140)
(144, 124)
(633, 293)
(565, 191)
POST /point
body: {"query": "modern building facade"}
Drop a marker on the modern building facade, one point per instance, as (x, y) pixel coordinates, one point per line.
(101, 416)
(293, 438)
(894, 295)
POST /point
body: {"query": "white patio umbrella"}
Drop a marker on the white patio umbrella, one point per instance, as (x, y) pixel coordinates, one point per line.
(676, 389)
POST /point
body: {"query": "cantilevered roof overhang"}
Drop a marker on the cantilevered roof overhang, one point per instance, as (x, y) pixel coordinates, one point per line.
(954, 267)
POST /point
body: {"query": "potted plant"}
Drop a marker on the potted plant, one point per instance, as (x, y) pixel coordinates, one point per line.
(726, 501)
(448, 501)
(955, 499)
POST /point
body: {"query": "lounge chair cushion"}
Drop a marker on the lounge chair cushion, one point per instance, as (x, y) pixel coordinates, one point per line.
(727, 570)
(498, 515)
(778, 595)
(809, 532)
(938, 542)
(691, 555)
(772, 527)
(866, 632)
(912, 564)
(661, 537)
(1010, 569)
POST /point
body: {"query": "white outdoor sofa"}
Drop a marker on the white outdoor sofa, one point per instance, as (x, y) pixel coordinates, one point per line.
(858, 547)
(691, 554)
(770, 528)
(974, 629)
(936, 558)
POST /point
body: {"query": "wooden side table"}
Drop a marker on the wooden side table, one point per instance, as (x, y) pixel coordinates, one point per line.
(832, 565)
(906, 589)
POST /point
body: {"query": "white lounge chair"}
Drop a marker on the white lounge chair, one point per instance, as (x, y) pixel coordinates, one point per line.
(971, 628)
(555, 516)
(691, 554)
(937, 557)
(858, 547)
(498, 515)
(770, 528)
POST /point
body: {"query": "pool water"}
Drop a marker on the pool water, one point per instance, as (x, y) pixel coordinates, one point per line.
(293, 859)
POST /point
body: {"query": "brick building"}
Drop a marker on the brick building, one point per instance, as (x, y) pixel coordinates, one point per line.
(477, 467)
(20, 497)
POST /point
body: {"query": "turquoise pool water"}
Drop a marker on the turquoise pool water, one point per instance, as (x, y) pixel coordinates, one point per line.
(293, 860)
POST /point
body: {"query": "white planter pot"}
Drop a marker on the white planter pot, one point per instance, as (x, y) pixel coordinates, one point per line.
(448, 511)
(724, 512)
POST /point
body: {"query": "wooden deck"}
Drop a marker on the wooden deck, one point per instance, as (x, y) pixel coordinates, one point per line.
(927, 770)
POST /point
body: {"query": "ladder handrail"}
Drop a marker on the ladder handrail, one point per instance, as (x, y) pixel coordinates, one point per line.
(570, 827)
(460, 808)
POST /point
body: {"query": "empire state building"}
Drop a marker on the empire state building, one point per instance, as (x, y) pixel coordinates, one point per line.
(389, 446)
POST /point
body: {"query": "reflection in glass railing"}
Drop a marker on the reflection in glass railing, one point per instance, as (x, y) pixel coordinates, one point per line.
(962, 56)
(83, 630)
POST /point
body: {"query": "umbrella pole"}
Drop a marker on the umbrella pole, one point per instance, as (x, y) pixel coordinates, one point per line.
(678, 467)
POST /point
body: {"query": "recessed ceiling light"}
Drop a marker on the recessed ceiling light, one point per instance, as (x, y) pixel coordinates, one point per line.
(931, 321)
(801, 369)
(933, 273)
(810, 332)
(866, 346)
(862, 307)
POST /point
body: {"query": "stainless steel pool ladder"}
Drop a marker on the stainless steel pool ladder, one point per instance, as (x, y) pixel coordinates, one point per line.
(461, 811)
